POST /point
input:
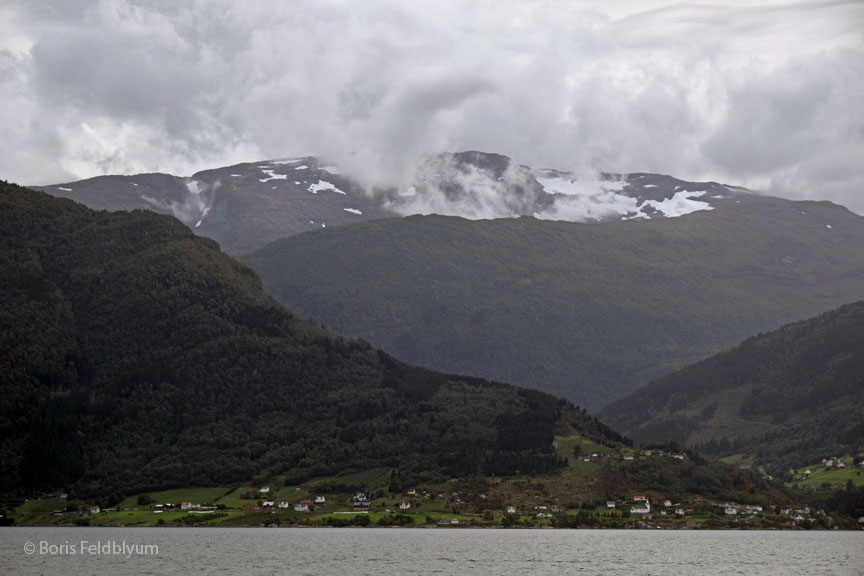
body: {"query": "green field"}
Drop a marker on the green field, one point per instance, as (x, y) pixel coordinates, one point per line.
(176, 496)
(837, 478)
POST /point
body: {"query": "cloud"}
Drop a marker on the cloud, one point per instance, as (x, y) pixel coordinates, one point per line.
(766, 96)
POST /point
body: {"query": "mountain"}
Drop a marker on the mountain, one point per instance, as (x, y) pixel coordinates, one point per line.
(242, 207)
(136, 356)
(246, 206)
(789, 397)
(586, 311)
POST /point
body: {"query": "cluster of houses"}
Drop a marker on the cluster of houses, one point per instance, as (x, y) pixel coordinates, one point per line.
(305, 505)
(629, 456)
(833, 463)
(641, 506)
(544, 511)
(797, 514)
(829, 464)
(734, 509)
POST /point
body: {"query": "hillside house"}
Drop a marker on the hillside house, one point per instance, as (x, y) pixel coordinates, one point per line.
(320, 500)
(731, 508)
(452, 522)
(93, 510)
(284, 505)
(511, 509)
(641, 509)
(300, 507)
(360, 506)
(404, 505)
(185, 505)
(640, 499)
(610, 504)
(667, 503)
(264, 490)
(268, 505)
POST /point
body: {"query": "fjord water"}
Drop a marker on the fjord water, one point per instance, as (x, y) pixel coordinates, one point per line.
(396, 552)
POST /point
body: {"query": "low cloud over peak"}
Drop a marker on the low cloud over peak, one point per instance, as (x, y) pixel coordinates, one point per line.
(764, 95)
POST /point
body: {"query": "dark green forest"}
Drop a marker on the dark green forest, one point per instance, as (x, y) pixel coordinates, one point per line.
(789, 397)
(135, 356)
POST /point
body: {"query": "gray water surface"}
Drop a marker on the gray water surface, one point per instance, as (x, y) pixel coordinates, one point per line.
(396, 552)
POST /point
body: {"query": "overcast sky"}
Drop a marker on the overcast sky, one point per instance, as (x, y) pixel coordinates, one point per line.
(763, 94)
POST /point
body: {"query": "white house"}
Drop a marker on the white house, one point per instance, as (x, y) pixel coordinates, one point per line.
(268, 504)
(641, 508)
(610, 504)
(404, 506)
(264, 490)
(640, 498)
(320, 500)
(284, 504)
(511, 509)
(667, 503)
(301, 507)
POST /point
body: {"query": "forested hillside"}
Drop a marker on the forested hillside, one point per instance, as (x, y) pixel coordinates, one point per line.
(790, 397)
(136, 356)
(589, 312)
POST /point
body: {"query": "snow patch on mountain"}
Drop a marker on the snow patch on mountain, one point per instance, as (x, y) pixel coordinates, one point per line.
(271, 175)
(679, 204)
(203, 214)
(191, 208)
(316, 187)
